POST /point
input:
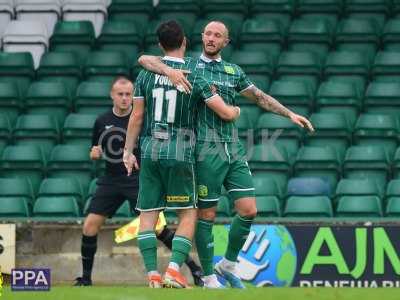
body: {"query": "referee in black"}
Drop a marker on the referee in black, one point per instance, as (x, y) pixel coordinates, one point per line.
(115, 187)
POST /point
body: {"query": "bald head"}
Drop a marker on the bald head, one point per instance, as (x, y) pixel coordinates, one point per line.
(215, 38)
(217, 26)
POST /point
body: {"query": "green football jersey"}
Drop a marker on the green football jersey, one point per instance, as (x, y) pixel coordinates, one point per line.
(170, 115)
(228, 79)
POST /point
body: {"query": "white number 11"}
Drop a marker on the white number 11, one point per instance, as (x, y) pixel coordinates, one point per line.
(158, 96)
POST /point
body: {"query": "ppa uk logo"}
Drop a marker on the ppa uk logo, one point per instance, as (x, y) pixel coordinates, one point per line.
(30, 279)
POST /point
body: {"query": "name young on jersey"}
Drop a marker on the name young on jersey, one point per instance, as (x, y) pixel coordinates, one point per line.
(162, 80)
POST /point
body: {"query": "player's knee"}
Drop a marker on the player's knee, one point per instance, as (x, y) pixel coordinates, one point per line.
(248, 211)
(208, 214)
(91, 227)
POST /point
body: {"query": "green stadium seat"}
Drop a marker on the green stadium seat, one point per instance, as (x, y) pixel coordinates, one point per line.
(78, 129)
(357, 187)
(393, 189)
(276, 6)
(396, 164)
(353, 30)
(39, 130)
(367, 162)
(10, 100)
(73, 32)
(92, 187)
(294, 63)
(319, 6)
(138, 11)
(93, 98)
(280, 130)
(331, 130)
(322, 162)
(120, 36)
(267, 207)
(224, 208)
(106, 65)
(17, 67)
(297, 95)
(25, 161)
(341, 97)
(383, 97)
(308, 207)
(391, 34)
(386, 66)
(270, 160)
(13, 207)
(76, 36)
(71, 161)
(308, 186)
(374, 129)
(266, 187)
(60, 67)
(262, 31)
(179, 6)
(393, 207)
(60, 187)
(347, 63)
(81, 51)
(311, 34)
(211, 6)
(371, 6)
(359, 207)
(17, 187)
(54, 208)
(124, 211)
(254, 62)
(49, 98)
(5, 131)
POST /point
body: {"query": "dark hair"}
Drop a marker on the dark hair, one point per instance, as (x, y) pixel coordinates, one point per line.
(170, 35)
(117, 79)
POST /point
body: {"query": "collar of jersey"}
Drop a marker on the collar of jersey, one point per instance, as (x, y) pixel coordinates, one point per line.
(208, 60)
(175, 59)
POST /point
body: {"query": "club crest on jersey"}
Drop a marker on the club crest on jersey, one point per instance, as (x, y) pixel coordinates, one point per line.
(201, 65)
(229, 70)
(203, 191)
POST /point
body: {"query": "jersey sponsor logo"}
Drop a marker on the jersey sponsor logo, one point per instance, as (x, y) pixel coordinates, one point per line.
(203, 191)
(178, 198)
(229, 70)
(223, 83)
(108, 126)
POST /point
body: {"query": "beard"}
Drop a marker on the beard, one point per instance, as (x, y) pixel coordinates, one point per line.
(212, 53)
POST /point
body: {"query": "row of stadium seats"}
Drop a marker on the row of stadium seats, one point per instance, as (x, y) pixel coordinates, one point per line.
(311, 161)
(305, 197)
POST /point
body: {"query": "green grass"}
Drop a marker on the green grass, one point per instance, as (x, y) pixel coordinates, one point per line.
(140, 293)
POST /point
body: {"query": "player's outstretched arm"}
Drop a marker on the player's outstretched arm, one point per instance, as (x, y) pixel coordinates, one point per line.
(269, 103)
(224, 111)
(177, 77)
(132, 135)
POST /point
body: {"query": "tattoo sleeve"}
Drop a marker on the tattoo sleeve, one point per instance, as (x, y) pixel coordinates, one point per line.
(265, 101)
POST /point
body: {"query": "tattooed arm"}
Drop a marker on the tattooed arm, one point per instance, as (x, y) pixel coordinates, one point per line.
(269, 103)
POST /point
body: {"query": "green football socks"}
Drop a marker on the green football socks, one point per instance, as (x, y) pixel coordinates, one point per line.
(147, 242)
(205, 245)
(181, 247)
(240, 229)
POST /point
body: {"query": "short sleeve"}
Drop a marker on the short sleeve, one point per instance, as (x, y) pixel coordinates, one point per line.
(204, 90)
(96, 133)
(244, 81)
(139, 90)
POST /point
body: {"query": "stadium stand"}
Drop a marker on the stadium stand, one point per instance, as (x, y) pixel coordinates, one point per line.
(336, 62)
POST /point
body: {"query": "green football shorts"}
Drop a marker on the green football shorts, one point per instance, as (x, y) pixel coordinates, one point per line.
(166, 184)
(220, 164)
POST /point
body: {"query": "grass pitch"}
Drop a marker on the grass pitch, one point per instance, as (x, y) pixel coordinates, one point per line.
(141, 293)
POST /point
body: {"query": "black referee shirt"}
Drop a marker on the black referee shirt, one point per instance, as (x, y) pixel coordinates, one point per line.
(110, 132)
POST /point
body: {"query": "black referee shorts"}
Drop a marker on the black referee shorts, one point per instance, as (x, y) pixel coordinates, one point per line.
(111, 193)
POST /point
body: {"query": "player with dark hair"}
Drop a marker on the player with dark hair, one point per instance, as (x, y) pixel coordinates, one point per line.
(228, 166)
(167, 176)
(115, 187)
